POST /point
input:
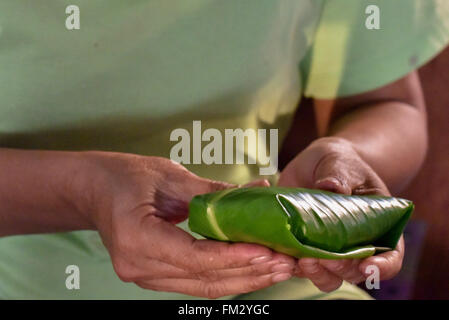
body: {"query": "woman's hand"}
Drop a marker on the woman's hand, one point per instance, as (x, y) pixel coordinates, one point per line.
(135, 203)
(332, 164)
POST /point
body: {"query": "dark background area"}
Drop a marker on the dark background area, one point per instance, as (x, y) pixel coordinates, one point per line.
(425, 274)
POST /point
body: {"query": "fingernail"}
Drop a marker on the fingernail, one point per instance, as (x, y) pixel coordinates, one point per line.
(329, 180)
(332, 184)
(283, 267)
(279, 277)
(261, 259)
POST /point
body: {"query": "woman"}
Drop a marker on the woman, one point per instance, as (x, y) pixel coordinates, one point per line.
(132, 74)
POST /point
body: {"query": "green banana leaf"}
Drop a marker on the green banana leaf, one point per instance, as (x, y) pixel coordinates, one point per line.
(302, 222)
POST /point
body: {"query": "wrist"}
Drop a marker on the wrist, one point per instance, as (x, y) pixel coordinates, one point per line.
(85, 182)
(107, 184)
(48, 191)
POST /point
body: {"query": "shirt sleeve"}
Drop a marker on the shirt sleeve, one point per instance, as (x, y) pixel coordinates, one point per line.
(347, 58)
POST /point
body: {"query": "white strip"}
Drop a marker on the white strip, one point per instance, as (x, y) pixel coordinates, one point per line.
(214, 224)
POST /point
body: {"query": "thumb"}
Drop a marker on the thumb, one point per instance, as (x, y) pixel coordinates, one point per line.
(333, 184)
(204, 185)
(201, 185)
(172, 202)
(347, 175)
(332, 175)
(257, 183)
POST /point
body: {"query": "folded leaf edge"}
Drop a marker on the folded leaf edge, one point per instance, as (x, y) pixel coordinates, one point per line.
(270, 227)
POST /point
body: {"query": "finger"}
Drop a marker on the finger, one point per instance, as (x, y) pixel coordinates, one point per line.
(171, 202)
(298, 272)
(347, 269)
(176, 247)
(258, 183)
(333, 185)
(340, 174)
(154, 269)
(188, 185)
(148, 269)
(279, 263)
(334, 174)
(347, 176)
(373, 186)
(322, 278)
(214, 289)
(287, 179)
(388, 263)
(202, 185)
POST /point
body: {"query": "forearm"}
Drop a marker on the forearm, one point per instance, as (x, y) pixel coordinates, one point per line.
(390, 136)
(43, 191)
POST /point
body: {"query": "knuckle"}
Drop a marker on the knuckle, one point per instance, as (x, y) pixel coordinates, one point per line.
(281, 258)
(256, 270)
(212, 290)
(205, 254)
(334, 265)
(253, 285)
(217, 185)
(208, 275)
(346, 267)
(196, 267)
(315, 271)
(204, 246)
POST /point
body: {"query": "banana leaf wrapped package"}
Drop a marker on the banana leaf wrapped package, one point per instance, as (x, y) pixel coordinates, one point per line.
(302, 222)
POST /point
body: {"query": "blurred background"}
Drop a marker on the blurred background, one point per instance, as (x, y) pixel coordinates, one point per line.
(425, 273)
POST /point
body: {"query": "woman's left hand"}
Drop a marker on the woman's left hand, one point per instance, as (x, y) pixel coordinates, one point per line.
(332, 164)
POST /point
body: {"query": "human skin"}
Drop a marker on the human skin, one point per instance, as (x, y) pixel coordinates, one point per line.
(134, 201)
(370, 144)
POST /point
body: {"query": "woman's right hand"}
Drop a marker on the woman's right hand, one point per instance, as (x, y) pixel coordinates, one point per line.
(134, 204)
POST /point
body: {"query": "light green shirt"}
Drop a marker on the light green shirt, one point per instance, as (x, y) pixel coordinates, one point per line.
(135, 71)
